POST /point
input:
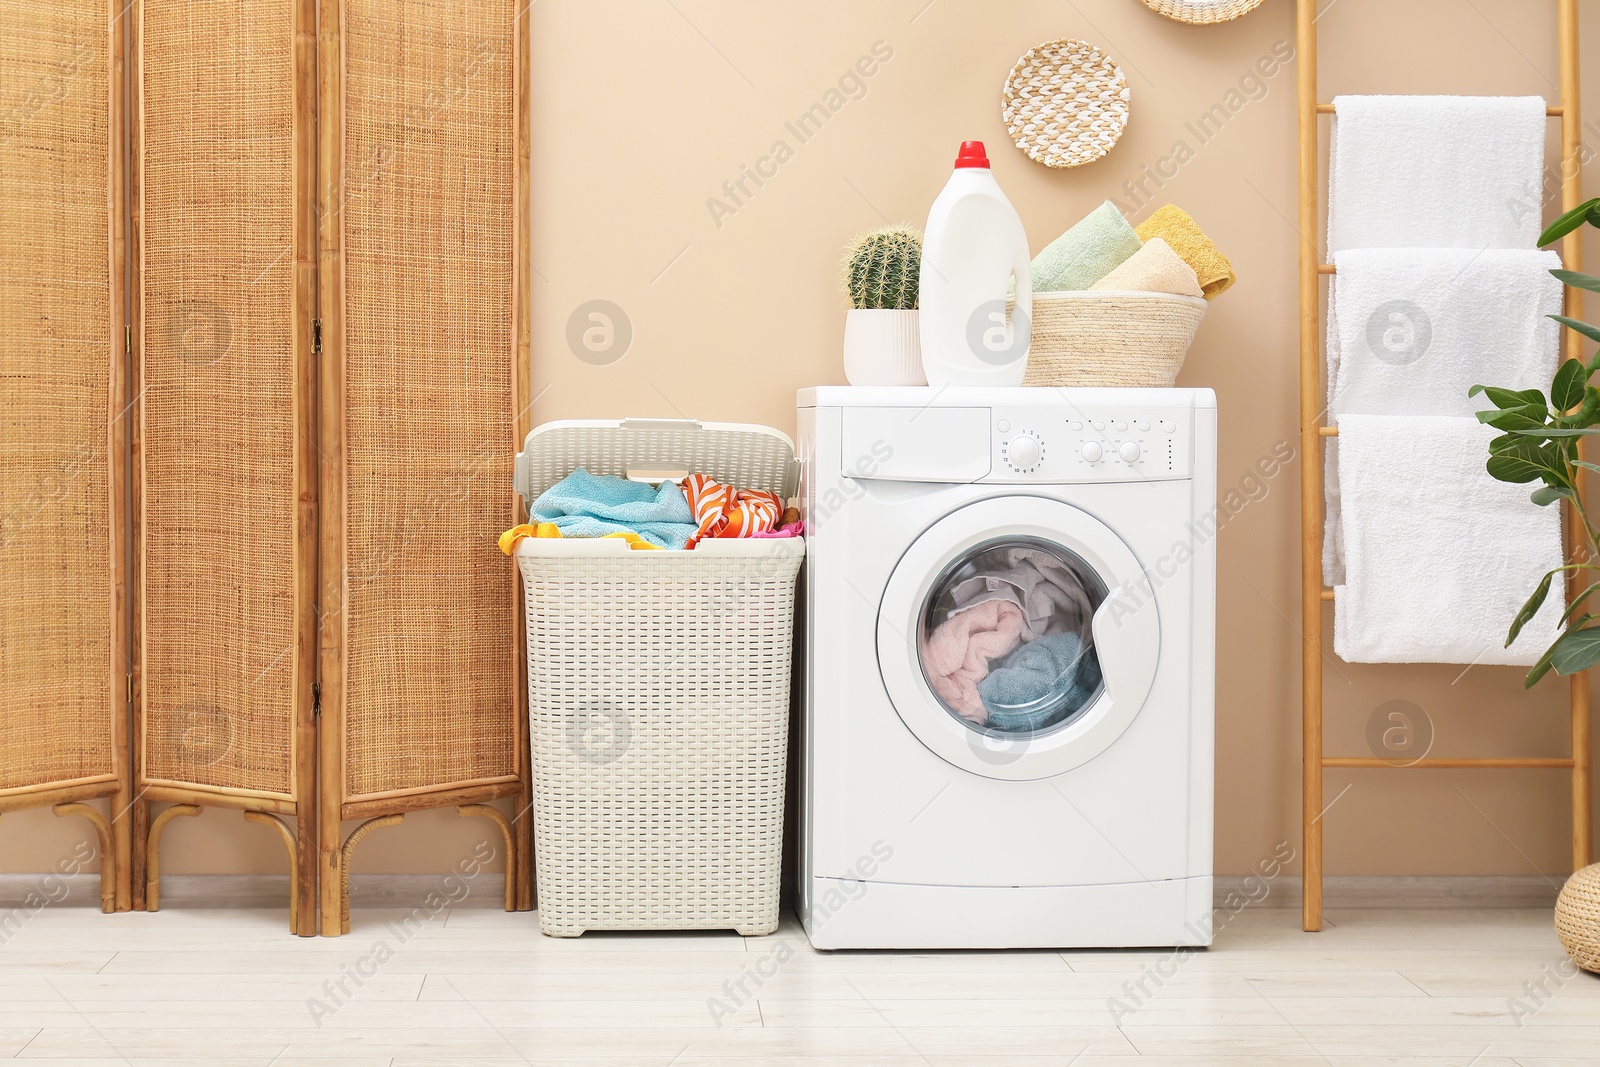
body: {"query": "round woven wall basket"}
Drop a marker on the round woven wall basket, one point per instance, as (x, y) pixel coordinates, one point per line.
(1065, 103)
(1203, 12)
(1135, 340)
(1578, 918)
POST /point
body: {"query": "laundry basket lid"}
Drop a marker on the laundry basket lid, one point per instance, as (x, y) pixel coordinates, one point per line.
(739, 454)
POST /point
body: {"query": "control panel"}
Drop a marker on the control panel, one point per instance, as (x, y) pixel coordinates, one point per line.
(1059, 443)
(1063, 444)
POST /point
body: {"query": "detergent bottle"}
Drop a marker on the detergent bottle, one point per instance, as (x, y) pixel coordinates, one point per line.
(974, 248)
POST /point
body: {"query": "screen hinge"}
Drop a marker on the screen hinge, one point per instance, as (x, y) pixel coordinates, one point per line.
(316, 337)
(127, 340)
(316, 698)
(130, 688)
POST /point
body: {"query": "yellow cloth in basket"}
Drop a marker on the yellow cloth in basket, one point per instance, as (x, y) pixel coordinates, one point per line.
(1173, 225)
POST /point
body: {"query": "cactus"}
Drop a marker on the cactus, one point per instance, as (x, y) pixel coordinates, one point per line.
(881, 267)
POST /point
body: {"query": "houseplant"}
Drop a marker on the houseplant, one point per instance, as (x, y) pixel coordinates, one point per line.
(1539, 443)
(881, 344)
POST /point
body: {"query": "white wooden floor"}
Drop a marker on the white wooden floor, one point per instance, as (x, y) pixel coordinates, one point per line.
(478, 987)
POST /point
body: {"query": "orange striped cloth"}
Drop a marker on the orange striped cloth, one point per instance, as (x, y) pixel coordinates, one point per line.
(723, 511)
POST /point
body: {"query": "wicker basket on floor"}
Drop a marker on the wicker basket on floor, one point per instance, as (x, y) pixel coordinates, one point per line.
(1578, 918)
(1111, 339)
(658, 695)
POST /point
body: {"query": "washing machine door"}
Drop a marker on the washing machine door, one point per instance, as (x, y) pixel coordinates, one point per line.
(1018, 637)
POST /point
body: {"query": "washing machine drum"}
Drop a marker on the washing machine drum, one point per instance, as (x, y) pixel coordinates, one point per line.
(1018, 637)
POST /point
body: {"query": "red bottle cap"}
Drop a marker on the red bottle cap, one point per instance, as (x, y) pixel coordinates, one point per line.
(972, 155)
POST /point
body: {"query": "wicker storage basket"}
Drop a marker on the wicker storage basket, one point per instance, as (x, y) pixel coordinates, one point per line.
(658, 695)
(1578, 918)
(1111, 339)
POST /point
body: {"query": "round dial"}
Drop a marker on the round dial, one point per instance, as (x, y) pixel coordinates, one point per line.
(1093, 451)
(1024, 452)
(1129, 450)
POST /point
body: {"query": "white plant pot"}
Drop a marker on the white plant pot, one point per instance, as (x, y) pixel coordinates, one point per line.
(881, 347)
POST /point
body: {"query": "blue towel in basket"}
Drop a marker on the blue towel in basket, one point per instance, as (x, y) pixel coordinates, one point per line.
(593, 505)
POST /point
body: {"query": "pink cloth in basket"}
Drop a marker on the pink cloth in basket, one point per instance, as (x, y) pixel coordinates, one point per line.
(958, 652)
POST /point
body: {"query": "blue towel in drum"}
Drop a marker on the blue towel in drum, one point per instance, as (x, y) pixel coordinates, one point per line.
(1041, 684)
(590, 505)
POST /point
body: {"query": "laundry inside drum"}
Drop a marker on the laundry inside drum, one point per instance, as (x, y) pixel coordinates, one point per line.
(1005, 638)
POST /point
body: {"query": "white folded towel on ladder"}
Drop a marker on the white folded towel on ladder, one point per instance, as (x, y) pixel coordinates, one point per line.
(1415, 328)
(1411, 330)
(1436, 172)
(1439, 556)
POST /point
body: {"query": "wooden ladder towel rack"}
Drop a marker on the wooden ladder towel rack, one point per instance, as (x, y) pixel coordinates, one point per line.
(1313, 593)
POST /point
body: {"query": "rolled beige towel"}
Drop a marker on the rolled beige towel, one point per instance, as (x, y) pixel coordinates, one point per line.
(1155, 268)
(1173, 224)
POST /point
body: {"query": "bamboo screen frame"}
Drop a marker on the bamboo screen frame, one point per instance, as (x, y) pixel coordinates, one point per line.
(63, 595)
(224, 457)
(1313, 595)
(424, 291)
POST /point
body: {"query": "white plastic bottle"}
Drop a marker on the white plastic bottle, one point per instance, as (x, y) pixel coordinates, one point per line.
(972, 248)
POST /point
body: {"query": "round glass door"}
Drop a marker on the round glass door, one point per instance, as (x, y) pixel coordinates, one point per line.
(1018, 637)
(1006, 637)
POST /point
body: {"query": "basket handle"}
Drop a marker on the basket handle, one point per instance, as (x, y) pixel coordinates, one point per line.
(656, 475)
(661, 424)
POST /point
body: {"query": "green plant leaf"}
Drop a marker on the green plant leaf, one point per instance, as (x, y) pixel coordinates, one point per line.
(1577, 602)
(1530, 608)
(1526, 462)
(1587, 411)
(1577, 280)
(1551, 431)
(1566, 392)
(1589, 331)
(1576, 463)
(1515, 420)
(1540, 668)
(1576, 650)
(1569, 221)
(1549, 494)
(1505, 441)
(1509, 398)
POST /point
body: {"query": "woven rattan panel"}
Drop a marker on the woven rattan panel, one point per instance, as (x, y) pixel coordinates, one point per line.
(429, 214)
(218, 429)
(57, 612)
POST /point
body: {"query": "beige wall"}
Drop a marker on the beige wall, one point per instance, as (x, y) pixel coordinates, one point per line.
(644, 108)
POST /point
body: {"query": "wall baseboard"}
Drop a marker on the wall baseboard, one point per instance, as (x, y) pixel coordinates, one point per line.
(396, 890)
(1434, 891)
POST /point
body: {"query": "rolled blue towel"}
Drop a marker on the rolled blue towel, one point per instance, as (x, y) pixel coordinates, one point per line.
(593, 505)
(1040, 684)
(1086, 253)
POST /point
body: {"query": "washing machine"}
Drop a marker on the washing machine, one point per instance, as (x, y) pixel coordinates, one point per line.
(1010, 630)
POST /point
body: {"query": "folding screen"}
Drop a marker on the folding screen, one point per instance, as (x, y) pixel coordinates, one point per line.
(225, 470)
(423, 147)
(63, 430)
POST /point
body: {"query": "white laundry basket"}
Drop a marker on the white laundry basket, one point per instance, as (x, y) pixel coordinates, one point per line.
(658, 693)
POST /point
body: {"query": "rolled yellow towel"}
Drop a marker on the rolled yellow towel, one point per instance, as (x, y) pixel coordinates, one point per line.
(1173, 225)
(1155, 268)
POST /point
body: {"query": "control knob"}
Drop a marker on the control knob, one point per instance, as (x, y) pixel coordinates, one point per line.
(1024, 452)
(1129, 450)
(1093, 452)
